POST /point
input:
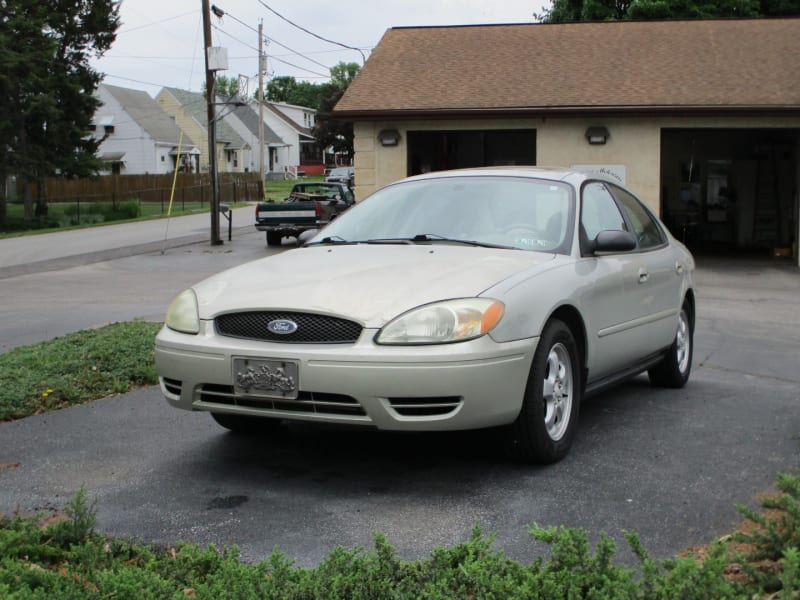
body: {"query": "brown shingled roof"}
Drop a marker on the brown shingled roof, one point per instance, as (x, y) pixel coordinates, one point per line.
(596, 66)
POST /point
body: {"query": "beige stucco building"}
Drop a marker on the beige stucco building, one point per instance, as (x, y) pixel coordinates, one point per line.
(700, 118)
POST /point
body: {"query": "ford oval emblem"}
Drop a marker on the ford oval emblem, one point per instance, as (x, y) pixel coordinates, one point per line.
(282, 326)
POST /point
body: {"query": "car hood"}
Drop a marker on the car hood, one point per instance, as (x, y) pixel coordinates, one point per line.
(370, 284)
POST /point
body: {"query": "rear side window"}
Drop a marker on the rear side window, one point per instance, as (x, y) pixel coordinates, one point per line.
(645, 228)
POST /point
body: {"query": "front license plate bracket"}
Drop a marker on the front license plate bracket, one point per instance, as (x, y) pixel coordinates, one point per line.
(265, 378)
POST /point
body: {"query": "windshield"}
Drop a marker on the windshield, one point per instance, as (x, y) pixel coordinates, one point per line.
(522, 213)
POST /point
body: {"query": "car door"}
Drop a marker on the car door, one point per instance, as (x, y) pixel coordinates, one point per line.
(659, 276)
(616, 296)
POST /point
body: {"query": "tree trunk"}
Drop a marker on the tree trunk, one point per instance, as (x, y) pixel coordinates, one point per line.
(28, 200)
(3, 192)
(41, 198)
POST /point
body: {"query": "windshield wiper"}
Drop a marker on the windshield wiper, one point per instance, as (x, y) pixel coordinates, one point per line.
(333, 239)
(391, 241)
(435, 237)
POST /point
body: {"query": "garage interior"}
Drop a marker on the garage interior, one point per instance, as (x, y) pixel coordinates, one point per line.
(732, 191)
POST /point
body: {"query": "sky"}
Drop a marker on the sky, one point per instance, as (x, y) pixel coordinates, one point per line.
(160, 42)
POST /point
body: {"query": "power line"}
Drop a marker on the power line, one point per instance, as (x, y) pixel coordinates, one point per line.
(301, 28)
(124, 30)
(234, 38)
(274, 41)
(286, 62)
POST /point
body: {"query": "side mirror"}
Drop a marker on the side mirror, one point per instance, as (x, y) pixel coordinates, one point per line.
(306, 236)
(613, 240)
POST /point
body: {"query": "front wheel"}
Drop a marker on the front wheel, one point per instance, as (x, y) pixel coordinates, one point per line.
(546, 423)
(673, 371)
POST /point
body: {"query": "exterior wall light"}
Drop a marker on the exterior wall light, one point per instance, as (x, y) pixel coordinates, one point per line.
(389, 137)
(597, 135)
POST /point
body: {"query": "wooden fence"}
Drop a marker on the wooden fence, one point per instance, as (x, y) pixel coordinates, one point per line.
(189, 187)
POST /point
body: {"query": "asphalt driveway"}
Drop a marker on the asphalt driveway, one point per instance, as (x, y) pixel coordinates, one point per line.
(668, 464)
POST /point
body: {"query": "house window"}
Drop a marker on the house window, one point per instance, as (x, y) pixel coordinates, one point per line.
(441, 150)
(108, 129)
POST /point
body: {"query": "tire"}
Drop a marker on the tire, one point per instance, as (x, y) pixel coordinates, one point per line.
(245, 424)
(546, 424)
(274, 238)
(673, 371)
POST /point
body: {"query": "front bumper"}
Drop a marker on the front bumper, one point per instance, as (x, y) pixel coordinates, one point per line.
(468, 385)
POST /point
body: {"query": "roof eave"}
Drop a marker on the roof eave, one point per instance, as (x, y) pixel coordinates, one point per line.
(549, 111)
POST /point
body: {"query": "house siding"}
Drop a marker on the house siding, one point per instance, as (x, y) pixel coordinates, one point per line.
(142, 155)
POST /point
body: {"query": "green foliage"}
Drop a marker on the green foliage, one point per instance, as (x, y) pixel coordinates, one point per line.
(102, 211)
(47, 84)
(78, 526)
(342, 74)
(563, 11)
(76, 368)
(775, 540)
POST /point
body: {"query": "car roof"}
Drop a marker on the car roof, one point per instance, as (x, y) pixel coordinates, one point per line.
(573, 176)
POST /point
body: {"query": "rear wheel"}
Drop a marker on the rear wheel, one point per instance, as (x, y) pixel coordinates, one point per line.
(245, 424)
(546, 423)
(274, 238)
(673, 371)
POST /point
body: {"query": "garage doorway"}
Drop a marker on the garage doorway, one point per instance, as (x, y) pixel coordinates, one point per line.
(440, 150)
(732, 190)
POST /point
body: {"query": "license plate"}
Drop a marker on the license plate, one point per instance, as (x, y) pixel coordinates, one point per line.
(265, 378)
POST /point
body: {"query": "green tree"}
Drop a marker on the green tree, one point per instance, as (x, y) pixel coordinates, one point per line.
(342, 74)
(329, 131)
(300, 93)
(562, 11)
(47, 90)
(227, 87)
(280, 89)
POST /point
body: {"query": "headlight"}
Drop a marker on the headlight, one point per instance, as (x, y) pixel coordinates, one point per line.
(182, 313)
(443, 322)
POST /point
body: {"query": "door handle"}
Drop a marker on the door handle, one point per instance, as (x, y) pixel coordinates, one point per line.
(679, 268)
(643, 275)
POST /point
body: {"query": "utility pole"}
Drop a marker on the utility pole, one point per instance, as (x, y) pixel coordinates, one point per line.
(261, 68)
(212, 128)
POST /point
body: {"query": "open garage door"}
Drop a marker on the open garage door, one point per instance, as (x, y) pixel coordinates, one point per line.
(732, 190)
(441, 150)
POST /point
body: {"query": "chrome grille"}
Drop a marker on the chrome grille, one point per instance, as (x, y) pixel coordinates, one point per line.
(306, 402)
(311, 328)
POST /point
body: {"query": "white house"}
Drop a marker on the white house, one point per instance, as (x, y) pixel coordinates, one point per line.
(277, 153)
(139, 136)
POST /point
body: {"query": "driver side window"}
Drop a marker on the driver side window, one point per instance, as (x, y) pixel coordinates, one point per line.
(599, 211)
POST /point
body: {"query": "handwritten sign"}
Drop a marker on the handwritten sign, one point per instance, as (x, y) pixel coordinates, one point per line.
(613, 172)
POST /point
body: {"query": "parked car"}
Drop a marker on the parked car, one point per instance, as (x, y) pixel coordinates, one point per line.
(454, 300)
(346, 175)
(309, 206)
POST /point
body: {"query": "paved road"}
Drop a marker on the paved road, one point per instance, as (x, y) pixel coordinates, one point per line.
(669, 464)
(117, 273)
